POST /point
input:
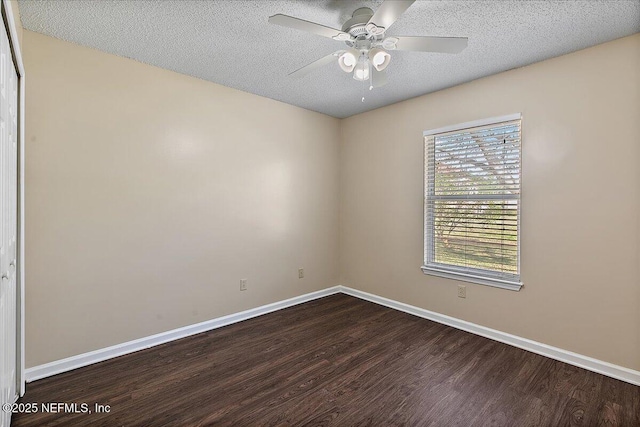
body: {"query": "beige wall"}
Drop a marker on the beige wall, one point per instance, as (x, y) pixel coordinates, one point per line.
(580, 201)
(150, 194)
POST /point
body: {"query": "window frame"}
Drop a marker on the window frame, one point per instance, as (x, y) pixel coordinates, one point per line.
(434, 269)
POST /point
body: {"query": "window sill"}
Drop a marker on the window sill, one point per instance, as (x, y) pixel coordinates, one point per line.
(488, 281)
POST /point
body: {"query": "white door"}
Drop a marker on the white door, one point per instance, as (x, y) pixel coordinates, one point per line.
(8, 230)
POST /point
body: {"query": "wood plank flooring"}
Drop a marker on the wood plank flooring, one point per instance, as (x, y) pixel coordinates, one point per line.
(336, 361)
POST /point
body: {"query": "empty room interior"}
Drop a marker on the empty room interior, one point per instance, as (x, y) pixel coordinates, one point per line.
(327, 212)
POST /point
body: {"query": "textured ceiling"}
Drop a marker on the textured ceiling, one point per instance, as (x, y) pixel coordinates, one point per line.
(230, 42)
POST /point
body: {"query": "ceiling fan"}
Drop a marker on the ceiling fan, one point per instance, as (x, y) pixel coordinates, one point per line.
(367, 49)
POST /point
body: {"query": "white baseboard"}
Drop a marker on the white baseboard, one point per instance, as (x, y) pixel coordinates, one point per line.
(74, 362)
(589, 363)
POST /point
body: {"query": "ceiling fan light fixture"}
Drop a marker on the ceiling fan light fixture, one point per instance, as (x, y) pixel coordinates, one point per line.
(348, 60)
(361, 72)
(368, 51)
(379, 58)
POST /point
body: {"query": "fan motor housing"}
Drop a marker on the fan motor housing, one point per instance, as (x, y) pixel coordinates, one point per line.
(356, 25)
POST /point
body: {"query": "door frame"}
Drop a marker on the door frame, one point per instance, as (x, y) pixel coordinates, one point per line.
(9, 22)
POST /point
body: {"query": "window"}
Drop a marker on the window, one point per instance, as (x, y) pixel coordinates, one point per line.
(472, 202)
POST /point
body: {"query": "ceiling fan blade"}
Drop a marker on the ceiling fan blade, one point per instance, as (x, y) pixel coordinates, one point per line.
(432, 44)
(311, 27)
(389, 12)
(301, 72)
(378, 78)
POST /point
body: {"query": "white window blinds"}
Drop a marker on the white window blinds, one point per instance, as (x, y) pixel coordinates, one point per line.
(472, 202)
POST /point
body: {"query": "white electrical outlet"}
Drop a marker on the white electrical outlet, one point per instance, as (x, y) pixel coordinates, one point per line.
(243, 284)
(300, 273)
(462, 291)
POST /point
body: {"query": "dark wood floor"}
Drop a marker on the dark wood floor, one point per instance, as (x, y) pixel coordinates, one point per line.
(336, 361)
